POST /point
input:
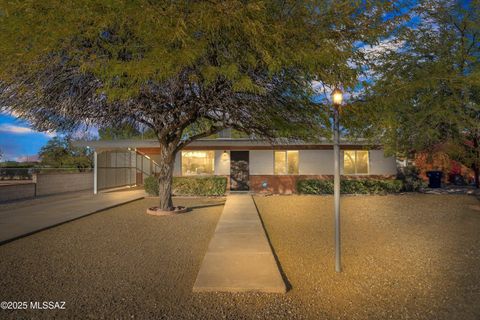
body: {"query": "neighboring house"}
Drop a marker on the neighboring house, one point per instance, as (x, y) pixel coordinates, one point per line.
(248, 164)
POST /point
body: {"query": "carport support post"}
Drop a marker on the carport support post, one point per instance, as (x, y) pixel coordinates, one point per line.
(95, 168)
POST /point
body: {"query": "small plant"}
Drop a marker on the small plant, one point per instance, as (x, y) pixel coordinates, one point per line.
(410, 176)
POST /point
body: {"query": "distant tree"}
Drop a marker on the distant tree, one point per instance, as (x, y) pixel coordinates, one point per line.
(59, 153)
(1, 155)
(183, 69)
(426, 88)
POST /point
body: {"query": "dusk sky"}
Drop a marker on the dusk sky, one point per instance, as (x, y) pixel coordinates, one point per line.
(18, 141)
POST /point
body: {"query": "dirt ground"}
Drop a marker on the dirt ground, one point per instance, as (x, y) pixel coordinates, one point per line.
(404, 257)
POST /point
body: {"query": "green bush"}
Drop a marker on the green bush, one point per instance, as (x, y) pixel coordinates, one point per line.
(199, 186)
(190, 186)
(410, 176)
(315, 186)
(151, 185)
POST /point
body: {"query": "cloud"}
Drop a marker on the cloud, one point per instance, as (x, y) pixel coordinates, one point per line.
(10, 128)
(321, 88)
(10, 113)
(14, 129)
(375, 52)
(29, 158)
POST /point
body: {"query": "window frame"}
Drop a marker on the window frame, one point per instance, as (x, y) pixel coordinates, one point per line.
(286, 163)
(197, 175)
(355, 163)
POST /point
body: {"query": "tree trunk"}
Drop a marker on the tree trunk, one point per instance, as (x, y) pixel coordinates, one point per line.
(476, 171)
(165, 177)
(476, 165)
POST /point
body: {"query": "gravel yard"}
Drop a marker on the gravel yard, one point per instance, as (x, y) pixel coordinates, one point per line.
(404, 257)
(407, 256)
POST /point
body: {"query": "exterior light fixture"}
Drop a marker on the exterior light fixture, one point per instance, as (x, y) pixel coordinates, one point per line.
(224, 155)
(337, 97)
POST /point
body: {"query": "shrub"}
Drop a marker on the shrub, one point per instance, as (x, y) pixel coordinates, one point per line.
(199, 186)
(151, 185)
(190, 186)
(410, 176)
(315, 186)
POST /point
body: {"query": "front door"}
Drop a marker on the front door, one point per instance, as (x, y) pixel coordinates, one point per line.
(239, 171)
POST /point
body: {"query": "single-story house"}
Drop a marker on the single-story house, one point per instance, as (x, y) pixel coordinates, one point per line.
(254, 165)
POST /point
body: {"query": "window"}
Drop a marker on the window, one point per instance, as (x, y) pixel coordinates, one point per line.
(355, 162)
(286, 162)
(197, 162)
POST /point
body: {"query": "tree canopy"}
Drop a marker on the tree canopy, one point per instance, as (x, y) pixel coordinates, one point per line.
(60, 153)
(184, 69)
(96, 57)
(124, 131)
(425, 92)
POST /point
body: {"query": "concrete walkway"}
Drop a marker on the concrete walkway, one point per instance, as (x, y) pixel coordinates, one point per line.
(239, 257)
(22, 218)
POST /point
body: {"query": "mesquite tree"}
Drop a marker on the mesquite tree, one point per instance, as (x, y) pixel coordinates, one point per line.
(183, 70)
(426, 92)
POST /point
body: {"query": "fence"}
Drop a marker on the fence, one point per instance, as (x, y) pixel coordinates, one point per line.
(9, 173)
(123, 168)
(55, 183)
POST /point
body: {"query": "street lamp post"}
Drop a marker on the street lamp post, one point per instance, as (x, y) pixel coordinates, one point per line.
(337, 98)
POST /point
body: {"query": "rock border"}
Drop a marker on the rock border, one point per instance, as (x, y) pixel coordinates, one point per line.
(154, 211)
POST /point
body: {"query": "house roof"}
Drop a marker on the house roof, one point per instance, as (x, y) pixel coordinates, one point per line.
(222, 143)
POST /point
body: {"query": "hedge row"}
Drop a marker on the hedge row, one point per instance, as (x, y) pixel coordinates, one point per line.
(315, 186)
(190, 186)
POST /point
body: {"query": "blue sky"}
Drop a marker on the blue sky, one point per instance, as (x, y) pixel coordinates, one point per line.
(18, 141)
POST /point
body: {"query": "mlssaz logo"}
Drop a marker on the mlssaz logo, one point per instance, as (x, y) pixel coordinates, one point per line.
(47, 305)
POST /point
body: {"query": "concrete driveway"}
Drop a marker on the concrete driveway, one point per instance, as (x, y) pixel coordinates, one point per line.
(22, 218)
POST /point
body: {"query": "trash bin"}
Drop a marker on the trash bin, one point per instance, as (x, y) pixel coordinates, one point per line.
(434, 179)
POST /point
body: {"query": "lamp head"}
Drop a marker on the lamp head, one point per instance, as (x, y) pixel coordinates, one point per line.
(337, 97)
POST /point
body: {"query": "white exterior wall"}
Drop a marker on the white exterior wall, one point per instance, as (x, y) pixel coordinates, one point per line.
(315, 162)
(381, 165)
(222, 163)
(311, 162)
(320, 162)
(177, 168)
(261, 162)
